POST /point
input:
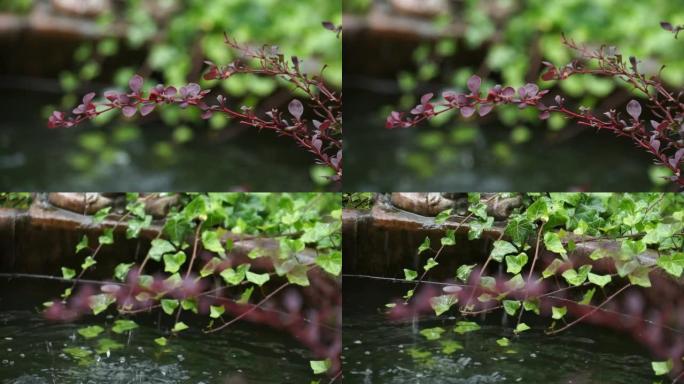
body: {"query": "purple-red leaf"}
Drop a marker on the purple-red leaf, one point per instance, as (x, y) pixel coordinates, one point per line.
(426, 98)
(135, 83)
(296, 108)
(634, 109)
(111, 95)
(531, 89)
(485, 109)
(667, 26)
(128, 111)
(508, 92)
(88, 98)
(474, 83)
(677, 157)
(467, 111)
(146, 109)
(329, 26)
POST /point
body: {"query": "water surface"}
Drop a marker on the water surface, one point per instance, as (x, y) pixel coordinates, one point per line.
(380, 352)
(36, 351)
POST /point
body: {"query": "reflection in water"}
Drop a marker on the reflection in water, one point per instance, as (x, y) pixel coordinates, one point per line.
(33, 157)
(377, 351)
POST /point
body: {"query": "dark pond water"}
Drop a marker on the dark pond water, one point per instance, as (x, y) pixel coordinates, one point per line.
(377, 159)
(379, 352)
(33, 157)
(32, 351)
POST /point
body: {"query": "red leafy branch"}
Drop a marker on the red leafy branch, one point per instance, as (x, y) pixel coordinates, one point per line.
(662, 136)
(318, 131)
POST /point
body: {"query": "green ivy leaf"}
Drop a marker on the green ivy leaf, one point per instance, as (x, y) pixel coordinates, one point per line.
(88, 262)
(450, 346)
(488, 282)
(298, 275)
(557, 313)
(173, 262)
(522, 327)
(577, 277)
(661, 368)
(553, 243)
(531, 305)
(519, 229)
(463, 272)
(161, 341)
(640, 277)
(68, 273)
(586, 299)
(91, 331)
(235, 276)
(320, 367)
(78, 352)
(552, 268)
(432, 333)
(511, 306)
(121, 326)
(331, 262)
(121, 271)
(424, 246)
(196, 209)
(66, 294)
(631, 248)
(478, 226)
(107, 236)
(159, 248)
(449, 238)
(136, 225)
(257, 253)
(105, 345)
(257, 278)
(210, 267)
(600, 280)
(189, 305)
(516, 282)
(100, 215)
(179, 327)
(216, 311)
(538, 210)
(429, 264)
(410, 274)
(99, 303)
(501, 249)
(83, 244)
(515, 264)
(672, 264)
(245, 296)
(212, 242)
(443, 303)
(503, 342)
(169, 305)
(465, 327)
(145, 281)
(478, 209)
(443, 216)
